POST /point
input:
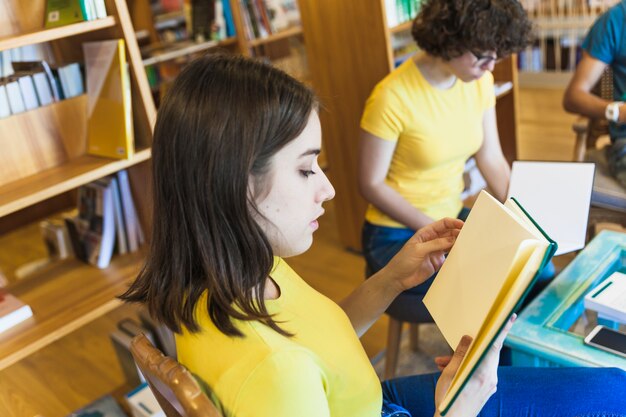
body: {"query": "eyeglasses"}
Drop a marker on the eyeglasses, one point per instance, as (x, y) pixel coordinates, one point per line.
(484, 60)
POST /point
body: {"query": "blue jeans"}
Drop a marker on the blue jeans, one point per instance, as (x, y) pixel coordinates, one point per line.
(545, 392)
(381, 243)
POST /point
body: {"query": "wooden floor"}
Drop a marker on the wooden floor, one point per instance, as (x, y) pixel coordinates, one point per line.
(78, 368)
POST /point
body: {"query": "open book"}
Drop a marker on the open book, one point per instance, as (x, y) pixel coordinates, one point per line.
(485, 278)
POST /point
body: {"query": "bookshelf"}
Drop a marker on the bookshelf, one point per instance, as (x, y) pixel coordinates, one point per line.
(44, 161)
(284, 47)
(560, 28)
(345, 72)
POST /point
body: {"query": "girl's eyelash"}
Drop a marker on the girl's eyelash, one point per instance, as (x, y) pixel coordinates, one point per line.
(306, 172)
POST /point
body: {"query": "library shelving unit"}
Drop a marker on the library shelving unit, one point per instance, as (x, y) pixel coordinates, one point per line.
(44, 161)
(347, 59)
(559, 28)
(276, 47)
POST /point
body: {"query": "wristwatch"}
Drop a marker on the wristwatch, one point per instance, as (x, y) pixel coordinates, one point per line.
(612, 111)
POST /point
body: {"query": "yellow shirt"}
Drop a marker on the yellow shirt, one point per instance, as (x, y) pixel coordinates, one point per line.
(435, 132)
(321, 371)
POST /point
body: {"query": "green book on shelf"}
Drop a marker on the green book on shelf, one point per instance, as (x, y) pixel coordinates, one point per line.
(489, 271)
(65, 12)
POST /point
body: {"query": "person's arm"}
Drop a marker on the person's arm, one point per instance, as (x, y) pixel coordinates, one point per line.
(375, 156)
(578, 97)
(490, 159)
(418, 259)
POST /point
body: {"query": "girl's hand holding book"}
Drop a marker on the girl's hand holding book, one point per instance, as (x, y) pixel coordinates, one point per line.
(424, 253)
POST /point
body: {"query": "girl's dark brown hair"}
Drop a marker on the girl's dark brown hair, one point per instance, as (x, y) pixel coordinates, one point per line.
(450, 28)
(223, 119)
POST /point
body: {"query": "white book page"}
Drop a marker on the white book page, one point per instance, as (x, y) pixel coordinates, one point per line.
(557, 196)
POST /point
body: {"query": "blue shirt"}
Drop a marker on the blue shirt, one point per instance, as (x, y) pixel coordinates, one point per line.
(606, 41)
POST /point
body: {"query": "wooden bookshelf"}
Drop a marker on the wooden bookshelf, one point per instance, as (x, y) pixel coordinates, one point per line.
(49, 183)
(47, 35)
(287, 33)
(64, 297)
(401, 27)
(43, 160)
(163, 53)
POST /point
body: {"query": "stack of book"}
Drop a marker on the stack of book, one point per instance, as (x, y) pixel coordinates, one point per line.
(28, 82)
(107, 221)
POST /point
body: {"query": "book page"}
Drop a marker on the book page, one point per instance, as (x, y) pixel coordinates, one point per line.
(479, 264)
(494, 323)
(557, 195)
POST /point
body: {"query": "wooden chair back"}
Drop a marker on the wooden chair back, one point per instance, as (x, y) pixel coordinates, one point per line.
(176, 390)
(589, 130)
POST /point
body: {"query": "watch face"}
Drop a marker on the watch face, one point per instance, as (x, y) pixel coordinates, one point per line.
(612, 112)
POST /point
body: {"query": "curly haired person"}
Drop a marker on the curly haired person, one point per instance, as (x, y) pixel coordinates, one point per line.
(425, 119)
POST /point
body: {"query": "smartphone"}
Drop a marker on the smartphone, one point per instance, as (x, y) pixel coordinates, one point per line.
(607, 339)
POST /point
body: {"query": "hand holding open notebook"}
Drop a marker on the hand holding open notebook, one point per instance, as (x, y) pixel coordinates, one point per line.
(485, 278)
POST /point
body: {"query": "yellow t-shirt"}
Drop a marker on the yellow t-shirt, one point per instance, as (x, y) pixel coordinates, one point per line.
(321, 371)
(435, 132)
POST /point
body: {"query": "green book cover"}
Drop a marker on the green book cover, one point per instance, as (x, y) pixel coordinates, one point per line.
(64, 12)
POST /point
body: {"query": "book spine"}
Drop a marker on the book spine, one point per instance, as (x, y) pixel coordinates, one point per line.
(16, 102)
(5, 109)
(126, 102)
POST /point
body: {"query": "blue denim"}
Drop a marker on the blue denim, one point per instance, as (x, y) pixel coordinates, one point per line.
(525, 392)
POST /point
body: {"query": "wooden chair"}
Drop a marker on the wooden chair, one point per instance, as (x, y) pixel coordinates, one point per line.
(176, 390)
(608, 199)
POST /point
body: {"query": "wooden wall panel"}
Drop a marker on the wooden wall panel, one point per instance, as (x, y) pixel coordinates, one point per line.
(348, 53)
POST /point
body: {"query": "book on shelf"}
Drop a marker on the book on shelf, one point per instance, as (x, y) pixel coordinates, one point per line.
(121, 345)
(486, 276)
(5, 63)
(92, 232)
(42, 88)
(5, 109)
(558, 194)
(37, 68)
(12, 311)
(109, 109)
(71, 80)
(103, 407)
(66, 12)
(14, 95)
(27, 88)
(121, 339)
(163, 336)
(120, 226)
(609, 298)
(134, 231)
(228, 18)
(143, 403)
(202, 19)
(56, 239)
